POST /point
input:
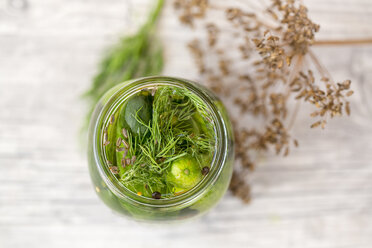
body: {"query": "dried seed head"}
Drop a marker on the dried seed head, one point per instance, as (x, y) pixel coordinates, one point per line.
(125, 133)
(282, 45)
(112, 119)
(212, 34)
(286, 152)
(118, 142)
(224, 68)
(121, 149)
(123, 162)
(128, 161)
(316, 124)
(347, 108)
(125, 143)
(133, 159)
(190, 10)
(349, 93)
(323, 124)
(114, 170)
(198, 54)
(105, 139)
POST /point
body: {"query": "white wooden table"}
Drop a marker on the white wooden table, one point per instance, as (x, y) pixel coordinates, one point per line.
(320, 196)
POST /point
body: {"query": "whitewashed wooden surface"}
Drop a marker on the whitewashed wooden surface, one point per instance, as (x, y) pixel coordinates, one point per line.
(320, 196)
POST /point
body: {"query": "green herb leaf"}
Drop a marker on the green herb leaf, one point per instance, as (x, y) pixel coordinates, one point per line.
(134, 56)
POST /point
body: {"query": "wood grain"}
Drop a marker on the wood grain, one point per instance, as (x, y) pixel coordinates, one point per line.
(320, 196)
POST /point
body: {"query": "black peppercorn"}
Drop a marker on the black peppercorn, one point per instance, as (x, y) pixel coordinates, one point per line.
(205, 170)
(156, 195)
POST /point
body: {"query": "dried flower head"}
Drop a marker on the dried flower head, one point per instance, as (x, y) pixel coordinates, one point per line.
(191, 9)
(275, 48)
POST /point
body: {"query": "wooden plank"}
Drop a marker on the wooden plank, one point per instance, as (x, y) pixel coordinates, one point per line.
(320, 196)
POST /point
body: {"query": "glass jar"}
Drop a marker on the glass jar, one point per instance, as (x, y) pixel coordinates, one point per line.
(192, 203)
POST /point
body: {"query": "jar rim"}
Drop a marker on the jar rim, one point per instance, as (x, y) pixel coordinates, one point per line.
(125, 90)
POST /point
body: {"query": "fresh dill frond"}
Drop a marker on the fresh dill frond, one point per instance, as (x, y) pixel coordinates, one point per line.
(138, 55)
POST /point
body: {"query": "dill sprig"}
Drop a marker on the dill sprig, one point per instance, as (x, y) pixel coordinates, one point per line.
(134, 56)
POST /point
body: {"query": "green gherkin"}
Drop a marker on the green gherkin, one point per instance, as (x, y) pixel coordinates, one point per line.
(185, 173)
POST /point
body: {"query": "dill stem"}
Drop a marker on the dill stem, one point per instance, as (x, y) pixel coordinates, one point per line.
(346, 42)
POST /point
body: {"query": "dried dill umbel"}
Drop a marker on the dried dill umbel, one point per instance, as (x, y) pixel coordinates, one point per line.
(265, 67)
(191, 9)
